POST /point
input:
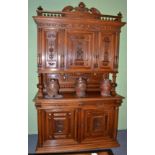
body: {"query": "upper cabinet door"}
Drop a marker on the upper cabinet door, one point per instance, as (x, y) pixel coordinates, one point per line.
(80, 46)
(52, 47)
(106, 50)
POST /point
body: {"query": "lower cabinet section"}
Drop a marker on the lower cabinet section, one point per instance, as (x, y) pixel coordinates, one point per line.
(88, 125)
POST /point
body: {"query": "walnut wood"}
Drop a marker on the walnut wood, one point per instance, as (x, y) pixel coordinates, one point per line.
(72, 43)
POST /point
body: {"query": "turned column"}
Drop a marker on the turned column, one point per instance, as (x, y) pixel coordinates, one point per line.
(40, 86)
(113, 90)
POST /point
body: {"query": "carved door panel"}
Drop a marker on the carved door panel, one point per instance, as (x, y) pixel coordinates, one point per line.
(53, 49)
(80, 47)
(97, 124)
(60, 127)
(107, 50)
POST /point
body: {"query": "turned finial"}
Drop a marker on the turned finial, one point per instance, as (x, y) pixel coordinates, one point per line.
(40, 8)
(82, 5)
(119, 14)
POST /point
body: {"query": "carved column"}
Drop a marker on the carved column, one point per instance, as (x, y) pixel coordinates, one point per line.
(39, 48)
(116, 121)
(39, 128)
(40, 86)
(113, 90)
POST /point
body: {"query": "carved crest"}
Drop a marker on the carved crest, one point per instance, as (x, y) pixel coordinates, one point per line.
(81, 8)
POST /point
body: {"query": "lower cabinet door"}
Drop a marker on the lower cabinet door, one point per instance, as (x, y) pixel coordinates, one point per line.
(59, 127)
(97, 124)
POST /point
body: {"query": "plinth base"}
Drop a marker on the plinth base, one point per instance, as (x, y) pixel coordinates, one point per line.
(106, 152)
(103, 152)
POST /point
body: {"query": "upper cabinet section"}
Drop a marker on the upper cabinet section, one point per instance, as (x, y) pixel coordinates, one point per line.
(77, 39)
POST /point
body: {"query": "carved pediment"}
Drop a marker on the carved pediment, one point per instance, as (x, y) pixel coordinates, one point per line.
(81, 8)
(80, 11)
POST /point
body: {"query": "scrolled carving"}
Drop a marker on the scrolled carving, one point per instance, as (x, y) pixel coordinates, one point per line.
(95, 11)
(81, 8)
(67, 9)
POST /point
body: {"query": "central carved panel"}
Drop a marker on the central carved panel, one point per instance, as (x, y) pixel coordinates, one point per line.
(79, 49)
(59, 126)
(98, 123)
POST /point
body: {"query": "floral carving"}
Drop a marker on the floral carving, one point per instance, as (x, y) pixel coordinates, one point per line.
(51, 55)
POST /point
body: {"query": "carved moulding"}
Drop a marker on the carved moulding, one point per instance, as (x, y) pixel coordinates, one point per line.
(78, 26)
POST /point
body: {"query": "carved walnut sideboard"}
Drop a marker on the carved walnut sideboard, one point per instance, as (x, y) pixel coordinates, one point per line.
(77, 42)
